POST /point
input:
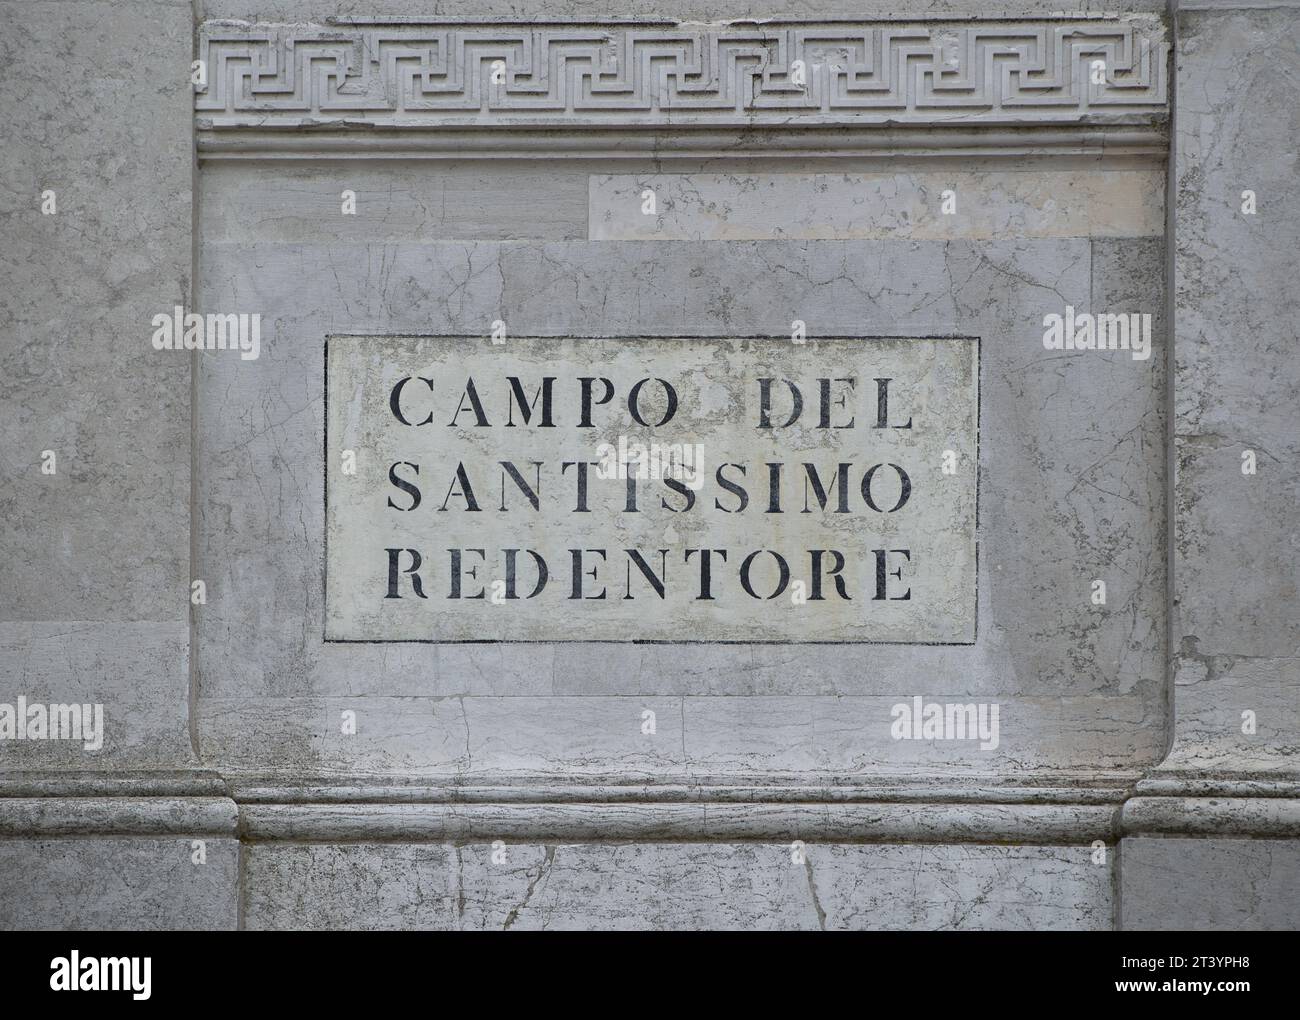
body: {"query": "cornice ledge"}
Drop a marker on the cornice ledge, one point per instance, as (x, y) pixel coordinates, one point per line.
(516, 87)
(1049, 810)
(1077, 824)
(924, 808)
(48, 816)
(1271, 817)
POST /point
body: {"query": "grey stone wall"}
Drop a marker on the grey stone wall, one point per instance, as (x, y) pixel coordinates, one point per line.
(504, 785)
(1232, 767)
(95, 556)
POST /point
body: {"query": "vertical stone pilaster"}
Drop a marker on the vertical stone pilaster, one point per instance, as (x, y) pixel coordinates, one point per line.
(94, 575)
(1232, 778)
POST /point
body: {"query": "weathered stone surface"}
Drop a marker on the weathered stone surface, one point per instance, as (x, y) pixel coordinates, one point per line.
(118, 884)
(1209, 884)
(94, 572)
(1237, 626)
(686, 10)
(990, 204)
(823, 738)
(269, 412)
(685, 823)
(134, 670)
(673, 886)
(401, 202)
(79, 376)
(1214, 814)
(713, 814)
(1236, 644)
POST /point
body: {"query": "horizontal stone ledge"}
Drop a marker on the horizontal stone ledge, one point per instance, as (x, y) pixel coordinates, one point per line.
(877, 13)
(1248, 786)
(28, 817)
(418, 790)
(933, 814)
(127, 783)
(1237, 5)
(641, 821)
(559, 822)
(259, 139)
(913, 808)
(287, 786)
(938, 808)
(1257, 817)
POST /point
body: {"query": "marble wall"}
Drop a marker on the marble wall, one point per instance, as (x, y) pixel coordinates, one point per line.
(502, 785)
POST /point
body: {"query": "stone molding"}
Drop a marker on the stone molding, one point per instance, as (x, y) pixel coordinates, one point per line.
(694, 88)
(917, 809)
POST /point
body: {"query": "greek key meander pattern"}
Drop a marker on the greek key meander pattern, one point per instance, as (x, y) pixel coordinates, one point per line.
(618, 75)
